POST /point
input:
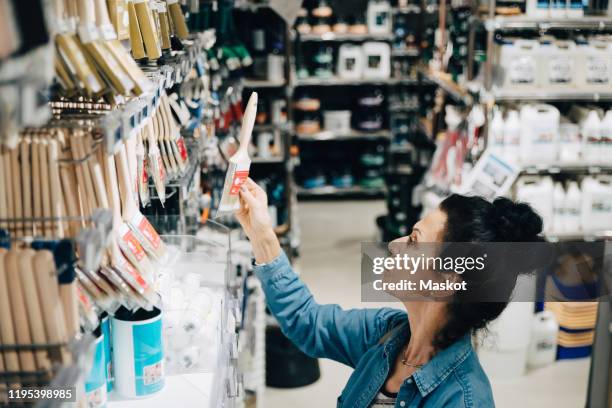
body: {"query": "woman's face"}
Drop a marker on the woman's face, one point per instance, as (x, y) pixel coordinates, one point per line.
(420, 243)
(429, 229)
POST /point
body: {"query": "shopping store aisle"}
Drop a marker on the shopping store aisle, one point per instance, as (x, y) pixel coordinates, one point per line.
(331, 234)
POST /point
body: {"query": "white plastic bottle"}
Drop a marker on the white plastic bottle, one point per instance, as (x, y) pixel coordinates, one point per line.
(538, 8)
(495, 138)
(379, 17)
(596, 203)
(573, 208)
(539, 138)
(512, 137)
(538, 192)
(558, 208)
(591, 138)
(605, 135)
(543, 345)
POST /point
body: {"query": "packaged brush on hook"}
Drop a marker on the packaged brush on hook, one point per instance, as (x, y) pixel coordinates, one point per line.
(240, 163)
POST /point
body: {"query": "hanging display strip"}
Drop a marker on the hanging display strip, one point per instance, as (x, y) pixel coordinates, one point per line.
(80, 265)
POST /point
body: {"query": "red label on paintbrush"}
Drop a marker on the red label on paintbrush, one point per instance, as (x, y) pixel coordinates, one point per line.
(133, 245)
(149, 232)
(239, 178)
(180, 143)
(125, 265)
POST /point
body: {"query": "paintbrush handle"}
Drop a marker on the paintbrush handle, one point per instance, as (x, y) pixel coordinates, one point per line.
(123, 172)
(248, 121)
(48, 292)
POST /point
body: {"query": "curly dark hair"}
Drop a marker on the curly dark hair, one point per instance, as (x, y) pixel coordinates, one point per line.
(474, 219)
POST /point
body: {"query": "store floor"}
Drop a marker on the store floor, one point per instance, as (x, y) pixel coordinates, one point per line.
(331, 233)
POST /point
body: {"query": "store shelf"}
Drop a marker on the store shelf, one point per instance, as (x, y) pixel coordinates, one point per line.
(577, 168)
(410, 52)
(335, 81)
(550, 95)
(410, 9)
(330, 191)
(352, 135)
(578, 236)
(345, 37)
(544, 24)
(283, 127)
(261, 83)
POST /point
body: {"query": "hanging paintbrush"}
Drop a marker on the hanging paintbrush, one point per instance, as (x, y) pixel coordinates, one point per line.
(45, 188)
(163, 140)
(16, 191)
(85, 189)
(68, 180)
(128, 241)
(26, 182)
(3, 193)
(156, 166)
(96, 48)
(141, 227)
(177, 141)
(57, 200)
(136, 41)
(75, 60)
(37, 201)
(158, 129)
(7, 327)
(147, 29)
(52, 310)
(33, 307)
(164, 27)
(143, 175)
(141, 82)
(129, 270)
(17, 307)
(178, 19)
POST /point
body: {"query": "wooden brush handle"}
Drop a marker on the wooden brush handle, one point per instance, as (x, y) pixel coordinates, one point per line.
(115, 199)
(57, 204)
(248, 121)
(70, 305)
(10, 192)
(86, 12)
(3, 193)
(26, 183)
(95, 172)
(54, 318)
(46, 191)
(16, 180)
(102, 16)
(7, 331)
(84, 194)
(33, 307)
(69, 185)
(18, 310)
(123, 172)
(36, 187)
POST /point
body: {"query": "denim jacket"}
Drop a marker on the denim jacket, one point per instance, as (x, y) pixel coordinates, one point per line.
(452, 378)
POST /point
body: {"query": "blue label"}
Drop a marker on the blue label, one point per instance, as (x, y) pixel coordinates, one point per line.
(148, 357)
(108, 354)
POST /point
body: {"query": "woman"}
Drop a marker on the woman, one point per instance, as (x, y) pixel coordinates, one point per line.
(419, 358)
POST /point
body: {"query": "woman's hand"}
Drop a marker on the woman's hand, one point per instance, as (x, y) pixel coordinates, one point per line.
(255, 220)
